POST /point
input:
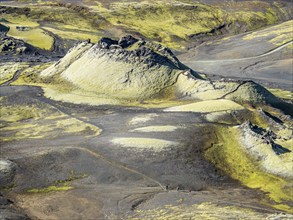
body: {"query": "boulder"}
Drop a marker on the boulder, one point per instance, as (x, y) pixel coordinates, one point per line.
(7, 172)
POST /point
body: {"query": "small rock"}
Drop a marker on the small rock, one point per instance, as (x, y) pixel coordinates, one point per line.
(4, 201)
(126, 41)
(23, 28)
(105, 42)
(7, 172)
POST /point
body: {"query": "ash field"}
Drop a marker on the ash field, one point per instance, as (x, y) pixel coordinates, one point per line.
(146, 109)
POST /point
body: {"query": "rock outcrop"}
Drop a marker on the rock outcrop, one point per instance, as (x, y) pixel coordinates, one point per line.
(263, 145)
(12, 46)
(7, 172)
(4, 28)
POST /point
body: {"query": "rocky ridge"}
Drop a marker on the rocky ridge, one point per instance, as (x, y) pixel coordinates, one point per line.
(12, 46)
(132, 68)
(129, 68)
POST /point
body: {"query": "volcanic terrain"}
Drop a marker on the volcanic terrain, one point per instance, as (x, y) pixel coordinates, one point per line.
(137, 122)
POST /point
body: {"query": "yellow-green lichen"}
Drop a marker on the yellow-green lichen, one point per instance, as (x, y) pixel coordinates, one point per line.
(229, 156)
(50, 189)
(60, 185)
(7, 70)
(278, 34)
(34, 36)
(173, 23)
(39, 121)
(207, 106)
(74, 34)
(283, 94)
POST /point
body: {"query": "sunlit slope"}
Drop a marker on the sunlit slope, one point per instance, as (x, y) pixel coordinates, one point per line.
(136, 70)
(129, 69)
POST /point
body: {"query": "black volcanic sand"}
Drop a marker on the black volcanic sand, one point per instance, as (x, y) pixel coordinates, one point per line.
(108, 180)
(236, 57)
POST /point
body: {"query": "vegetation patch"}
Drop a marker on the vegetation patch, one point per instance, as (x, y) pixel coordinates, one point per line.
(50, 189)
(283, 94)
(277, 35)
(18, 113)
(59, 185)
(207, 106)
(173, 23)
(34, 36)
(39, 120)
(7, 70)
(228, 155)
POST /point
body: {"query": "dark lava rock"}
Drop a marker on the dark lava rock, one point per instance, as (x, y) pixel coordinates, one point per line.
(23, 28)
(10, 214)
(127, 41)
(149, 53)
(105, 42)
(267, 136)
(8, 211)
(12, 46)
(4, 28)
(7, 172)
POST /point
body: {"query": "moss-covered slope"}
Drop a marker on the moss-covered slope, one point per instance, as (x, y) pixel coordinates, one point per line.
(175, 24)
(135, 70)
(128, 68)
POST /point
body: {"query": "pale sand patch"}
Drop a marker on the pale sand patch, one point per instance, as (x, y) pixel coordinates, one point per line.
(207, 106)
(163, 128)
(144, 143)
(215, 116)
(79, 97)
(142, 118)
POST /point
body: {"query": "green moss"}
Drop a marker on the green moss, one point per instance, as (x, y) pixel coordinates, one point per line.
(7, 70)
(60, 185)
(283, 94)
(9, 187)
(30, 76)
(36, 36)
(171, 23)
(74, 34)
(165, 22)
(16, 113)
(278, 34)
(50, 189)
(62, 21)
(230, 157)
(207, 106)
(19, 19)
